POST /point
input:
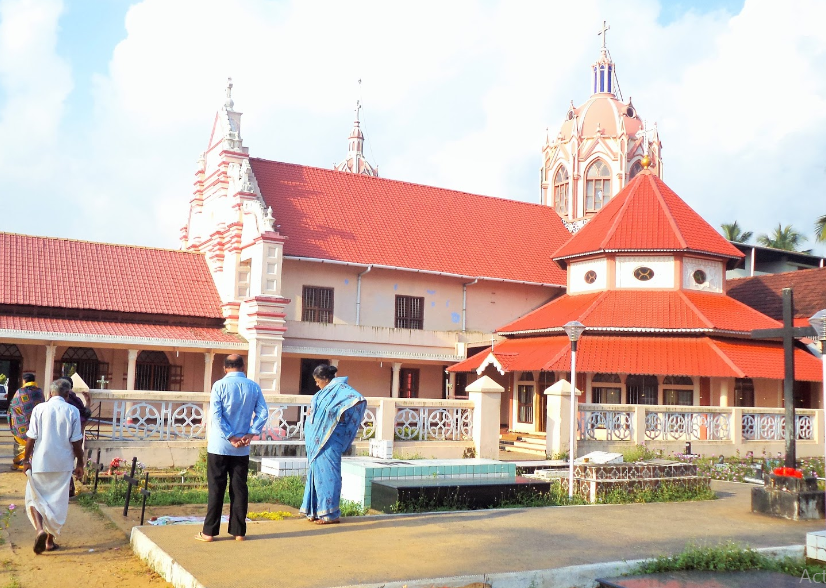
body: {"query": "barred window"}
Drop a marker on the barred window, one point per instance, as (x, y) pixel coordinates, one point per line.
(409, 312)
(317, 305)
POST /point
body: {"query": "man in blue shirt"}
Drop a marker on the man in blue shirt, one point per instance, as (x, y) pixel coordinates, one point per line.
(237, 413)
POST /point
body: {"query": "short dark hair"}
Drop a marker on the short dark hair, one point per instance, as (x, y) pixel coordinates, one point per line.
(28, 377)
(69, 380)
(325, 372)
(234, 362)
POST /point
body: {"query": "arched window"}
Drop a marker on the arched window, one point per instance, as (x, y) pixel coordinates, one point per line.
(678, 390)
(561, 191)
(597, 186)
(636, 168)
(152, 371)
(641, 389)
(743, 392)
(606, 388)
(82, 361)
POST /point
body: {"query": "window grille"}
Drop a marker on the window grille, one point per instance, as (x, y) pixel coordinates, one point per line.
(409, 312)
(317, 305)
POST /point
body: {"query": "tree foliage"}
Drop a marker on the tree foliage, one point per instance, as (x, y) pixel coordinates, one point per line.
(820, 228)
(786, 238)
(733, 232)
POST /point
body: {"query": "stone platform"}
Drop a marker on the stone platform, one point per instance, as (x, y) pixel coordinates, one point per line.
(513, 548)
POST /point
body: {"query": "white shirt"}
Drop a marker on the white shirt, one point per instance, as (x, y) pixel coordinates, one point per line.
(55, 424)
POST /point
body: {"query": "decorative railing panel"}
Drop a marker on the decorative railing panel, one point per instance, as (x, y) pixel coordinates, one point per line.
(433, 424)
(687, 426)
(156, 421)
(606, 425)
(772, 427)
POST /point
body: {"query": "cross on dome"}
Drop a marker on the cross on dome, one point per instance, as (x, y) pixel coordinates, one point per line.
(646, 133)
(603, 32)
(228, 103)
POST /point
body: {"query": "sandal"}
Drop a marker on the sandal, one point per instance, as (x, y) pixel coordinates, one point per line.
(323, 522)
(40, 542)
(204, 538)
(54, 547)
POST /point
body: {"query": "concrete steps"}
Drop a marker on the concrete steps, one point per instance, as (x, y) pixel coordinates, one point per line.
(524, 444)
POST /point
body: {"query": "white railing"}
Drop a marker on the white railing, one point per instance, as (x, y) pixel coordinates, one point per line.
(641, 423)
(181, 416)
(772, 427)
(609, 423)
(687, 426)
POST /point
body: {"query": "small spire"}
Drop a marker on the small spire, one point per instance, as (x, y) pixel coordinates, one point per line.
(228, 103)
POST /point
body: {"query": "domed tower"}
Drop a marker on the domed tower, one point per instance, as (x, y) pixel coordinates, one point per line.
(355, 163)
(598, 149)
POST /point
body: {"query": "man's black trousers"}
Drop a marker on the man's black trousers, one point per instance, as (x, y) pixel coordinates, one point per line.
(218, 468)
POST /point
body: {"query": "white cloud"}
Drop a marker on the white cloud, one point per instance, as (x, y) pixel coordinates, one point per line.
(456, 94)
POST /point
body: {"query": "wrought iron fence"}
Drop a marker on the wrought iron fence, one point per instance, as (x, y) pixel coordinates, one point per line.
(772, 427)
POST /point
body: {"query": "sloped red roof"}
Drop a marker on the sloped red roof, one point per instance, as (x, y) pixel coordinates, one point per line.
(13, 326)
(660, 356)
(64, 273)
(646, 216)
(644, 310)
(765, 293)
(326, 214)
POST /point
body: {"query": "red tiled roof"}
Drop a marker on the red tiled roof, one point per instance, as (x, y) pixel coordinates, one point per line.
(326, 214)
(660, 356)
(64, 273)
(765, 293)
(646, 216)
(644, 309)
(13, 326)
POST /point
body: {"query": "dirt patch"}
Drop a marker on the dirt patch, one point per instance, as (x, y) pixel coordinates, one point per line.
(93, 551)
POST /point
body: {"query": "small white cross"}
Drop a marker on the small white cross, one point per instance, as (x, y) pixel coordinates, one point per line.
(102, 382)
(605, 28)
(646, 133)
(358, 107)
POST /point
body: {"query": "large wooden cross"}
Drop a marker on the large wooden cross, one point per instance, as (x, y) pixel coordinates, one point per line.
(788, 333)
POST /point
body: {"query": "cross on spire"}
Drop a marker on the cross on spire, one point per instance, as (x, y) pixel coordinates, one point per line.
(646, 133)
(603, 32)
(358, 107)
(228, 103)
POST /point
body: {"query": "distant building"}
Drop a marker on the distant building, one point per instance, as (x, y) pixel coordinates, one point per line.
(767, 260)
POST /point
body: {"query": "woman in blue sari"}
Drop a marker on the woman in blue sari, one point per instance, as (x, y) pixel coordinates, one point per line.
(330, 428)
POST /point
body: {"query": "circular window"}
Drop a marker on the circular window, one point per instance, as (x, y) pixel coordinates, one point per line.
(590, 277)
(643, 274)
(630, 113)
(699, 277)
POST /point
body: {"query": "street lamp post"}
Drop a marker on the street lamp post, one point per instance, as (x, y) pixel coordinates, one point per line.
(574, 330)
(818, 322)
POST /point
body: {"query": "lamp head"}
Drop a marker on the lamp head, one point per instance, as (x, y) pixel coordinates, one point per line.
(818, 322)
(574, 330)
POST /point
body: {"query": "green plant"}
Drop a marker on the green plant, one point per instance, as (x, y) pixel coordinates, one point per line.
(664, 492)
(469, 453)
(727, 556)
(559, 456)
(640, 453)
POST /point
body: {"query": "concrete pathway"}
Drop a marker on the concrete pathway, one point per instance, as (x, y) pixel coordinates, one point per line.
(383, 549)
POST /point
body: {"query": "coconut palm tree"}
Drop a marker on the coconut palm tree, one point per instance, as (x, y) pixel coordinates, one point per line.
(786, 238)
(733, 232)
(820, 228)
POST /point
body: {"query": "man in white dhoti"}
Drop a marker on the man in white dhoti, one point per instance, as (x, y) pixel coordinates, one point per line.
(54, 443)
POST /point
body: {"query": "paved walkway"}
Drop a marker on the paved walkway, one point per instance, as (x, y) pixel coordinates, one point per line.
(378, 549)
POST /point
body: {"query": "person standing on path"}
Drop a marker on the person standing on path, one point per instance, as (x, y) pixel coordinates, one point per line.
(53, 453)
(335, 417)
(237, 412)
(20, 414)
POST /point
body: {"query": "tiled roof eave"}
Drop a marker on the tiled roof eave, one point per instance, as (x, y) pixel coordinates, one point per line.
(681, 250)
(603, 330)
(121, 340)
(421, 271)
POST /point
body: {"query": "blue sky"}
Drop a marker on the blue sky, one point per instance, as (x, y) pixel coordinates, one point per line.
(110, 102)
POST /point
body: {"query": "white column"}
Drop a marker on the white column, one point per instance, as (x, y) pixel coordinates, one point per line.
(724, 400)
(558, 422)
(394, 388)
(386, 420)
(209, 357)
(131, 369)
(486, 396)
(48, 373)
